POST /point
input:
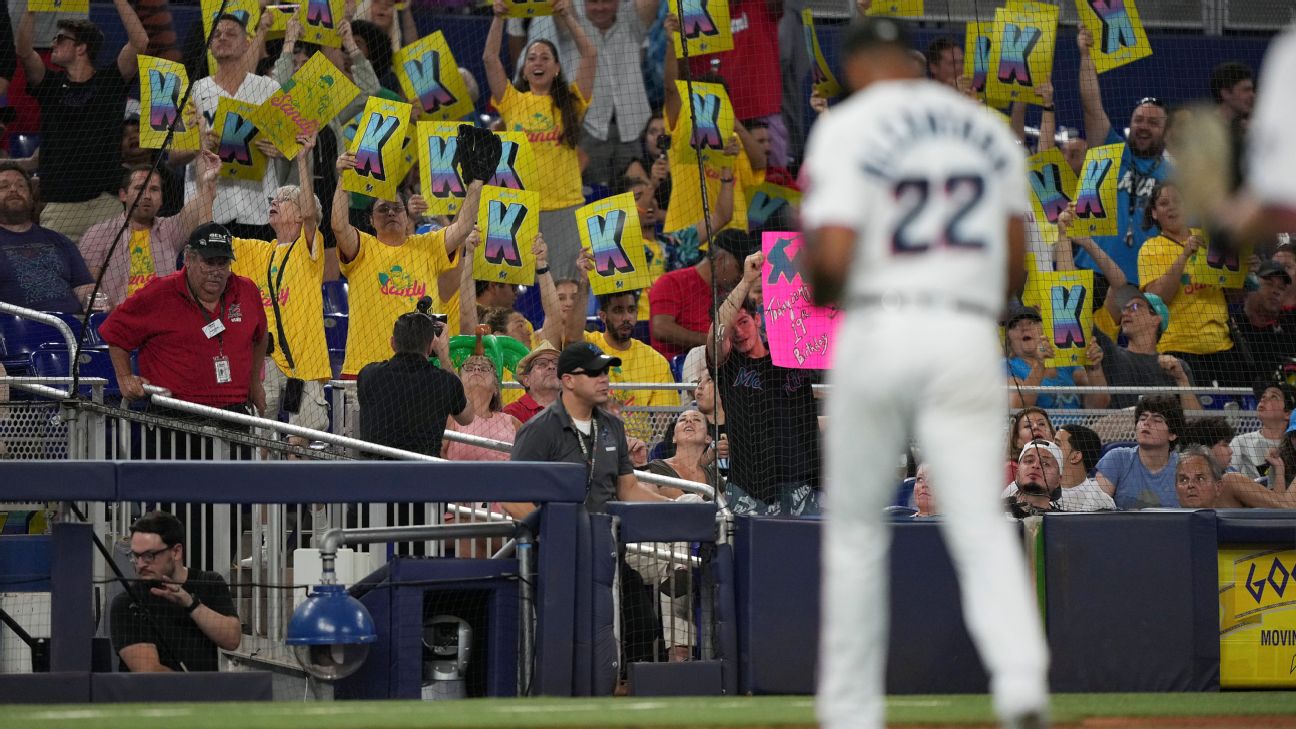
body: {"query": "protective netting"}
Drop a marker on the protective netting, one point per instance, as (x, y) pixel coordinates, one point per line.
(669, 164)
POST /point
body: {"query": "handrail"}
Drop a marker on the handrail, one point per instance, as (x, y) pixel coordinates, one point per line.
(51, 320)
(161, 396)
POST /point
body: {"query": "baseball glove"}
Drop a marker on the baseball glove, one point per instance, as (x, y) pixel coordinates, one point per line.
(477, 153)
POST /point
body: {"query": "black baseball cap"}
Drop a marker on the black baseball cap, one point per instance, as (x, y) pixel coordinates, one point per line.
(874, 32)
(212, 240)
(1270, 269)
(584, 356)
(1021, 313)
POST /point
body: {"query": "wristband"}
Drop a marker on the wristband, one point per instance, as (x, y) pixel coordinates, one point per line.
(542, 271)
(193, 605)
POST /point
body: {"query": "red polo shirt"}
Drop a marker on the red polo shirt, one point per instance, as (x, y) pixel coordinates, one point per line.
(165, 324)
(524, 408)
(684, 295)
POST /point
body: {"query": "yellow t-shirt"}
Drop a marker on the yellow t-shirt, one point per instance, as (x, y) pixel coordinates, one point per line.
(640, 363)
(142, 269)
(383, 283)
(1198, 313)
(301, 300)
(685, 206)
(557, 164)
(656, 267)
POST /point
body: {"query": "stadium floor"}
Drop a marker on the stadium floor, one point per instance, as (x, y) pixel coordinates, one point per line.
(1233, 710)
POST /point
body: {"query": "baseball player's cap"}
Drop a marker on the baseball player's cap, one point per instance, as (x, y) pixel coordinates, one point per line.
(1021, 313)
(212, 240)
(524, 364)
(586, 357)
(739, 243)
(1288, 392)
(874, 32)
(1269, 269)
(1043, 445)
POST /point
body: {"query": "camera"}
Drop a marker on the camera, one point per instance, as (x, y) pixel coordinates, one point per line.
(663, 144)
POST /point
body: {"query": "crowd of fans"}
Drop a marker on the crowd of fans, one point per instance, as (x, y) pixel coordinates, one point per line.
(163, 245)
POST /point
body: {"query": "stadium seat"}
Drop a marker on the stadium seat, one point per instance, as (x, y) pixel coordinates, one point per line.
(53, 362)
(335, 331)
(335, 298)
(97, 320)
(528, 304)
(1114, 445)
(677, 366)
(904, 494)
(22, 337)
(23, 145)
(641, 333)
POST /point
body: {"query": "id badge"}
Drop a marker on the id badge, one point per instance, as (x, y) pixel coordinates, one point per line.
(222, 369)
(213, 328)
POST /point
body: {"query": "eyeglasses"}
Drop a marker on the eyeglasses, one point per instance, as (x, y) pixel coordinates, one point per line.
(477, 367)
(389, 209)
(1133, 306)
(1154, 101)
(147, 557)
(544, 364)
(61, 37)
(280, 200)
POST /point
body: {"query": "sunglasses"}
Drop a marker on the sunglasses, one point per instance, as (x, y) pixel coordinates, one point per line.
(62, 37)
(591, 373)
(1154, 101)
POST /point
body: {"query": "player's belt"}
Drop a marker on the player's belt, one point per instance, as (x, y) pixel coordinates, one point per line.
(899, 302)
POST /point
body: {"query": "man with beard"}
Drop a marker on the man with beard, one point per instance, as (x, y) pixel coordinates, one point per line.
(200, 332)
(130, 256)
(1269, 332)
(1142, 165)
(639, 362)
(81, 123)
(1038, 486)
(175, 617)
(389, 272)
(39, 268)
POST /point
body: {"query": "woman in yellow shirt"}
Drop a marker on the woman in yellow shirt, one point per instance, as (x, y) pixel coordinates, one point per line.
(549, 110)
(1199, 321)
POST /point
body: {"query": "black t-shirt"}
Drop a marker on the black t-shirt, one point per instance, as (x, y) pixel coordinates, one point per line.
(181, 638)
(404, 403)
(1124, 368)
(81, 134)
(773, 425)
(1270, 346)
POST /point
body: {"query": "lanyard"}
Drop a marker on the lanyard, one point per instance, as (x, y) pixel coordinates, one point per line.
(590, 452)
(220, 336)
(275, 285)
(1131, 207)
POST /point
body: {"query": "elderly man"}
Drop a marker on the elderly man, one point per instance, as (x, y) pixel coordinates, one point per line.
(39, 268)
(1142, 475)
(81, 127)
(1197, 478)
(200, 332)
(538, 373)
(174, 618)
(130, 255)
(1142, 165)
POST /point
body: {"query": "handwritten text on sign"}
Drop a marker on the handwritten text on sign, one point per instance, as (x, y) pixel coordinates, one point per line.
(800, 334)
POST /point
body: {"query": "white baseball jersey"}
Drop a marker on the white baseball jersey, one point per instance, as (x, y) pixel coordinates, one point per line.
(927, 179)
(1273, 149)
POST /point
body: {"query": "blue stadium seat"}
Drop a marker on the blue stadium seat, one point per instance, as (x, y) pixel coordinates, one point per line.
(97, 320)
(94, 362)
(1114, 445)
(641, 333)
(22, 337)
(677, 366)
(24, 145)
(904, 493)
(336, 300)
(593, 324)
(335, 331)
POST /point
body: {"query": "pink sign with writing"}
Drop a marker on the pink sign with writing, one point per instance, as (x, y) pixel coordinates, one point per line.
(800, 333)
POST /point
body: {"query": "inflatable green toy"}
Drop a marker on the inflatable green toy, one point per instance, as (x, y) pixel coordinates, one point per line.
(503, 351)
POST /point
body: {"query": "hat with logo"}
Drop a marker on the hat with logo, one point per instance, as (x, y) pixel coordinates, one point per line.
(212, 240)
(1129, 293)
(586, 357)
